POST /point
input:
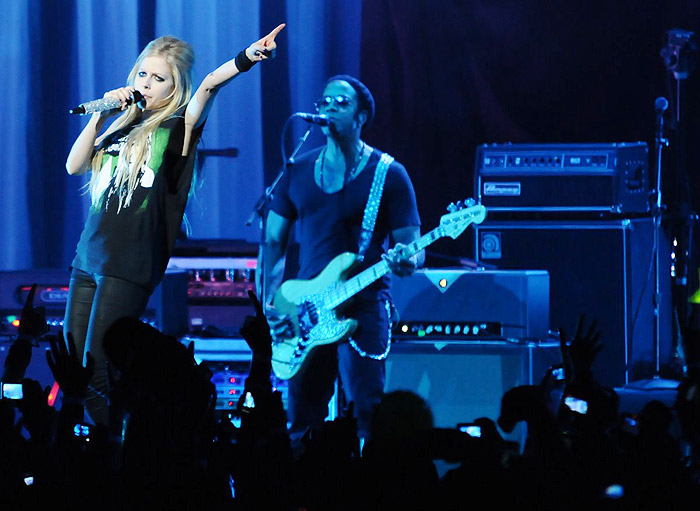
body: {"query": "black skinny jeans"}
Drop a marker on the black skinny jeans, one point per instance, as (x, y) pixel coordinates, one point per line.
(362, 377)
(95, 302)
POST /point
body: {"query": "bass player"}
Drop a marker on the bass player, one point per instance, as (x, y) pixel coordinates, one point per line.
(330, 192)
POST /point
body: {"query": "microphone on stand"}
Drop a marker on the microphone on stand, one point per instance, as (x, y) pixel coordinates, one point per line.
(317, 119)
(661, 104)
(104, 104)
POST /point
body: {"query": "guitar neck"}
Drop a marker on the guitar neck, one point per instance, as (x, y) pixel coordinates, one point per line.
(354, 285)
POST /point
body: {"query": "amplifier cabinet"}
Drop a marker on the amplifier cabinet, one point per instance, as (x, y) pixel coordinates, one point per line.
(516, 299)
(610, 178)
(465, 380)
(603, 269)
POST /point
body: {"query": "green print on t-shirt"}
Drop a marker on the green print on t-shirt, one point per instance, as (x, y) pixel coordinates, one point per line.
(155, 151)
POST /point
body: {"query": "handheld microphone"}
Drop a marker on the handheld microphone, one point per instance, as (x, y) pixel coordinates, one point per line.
(317, 119)
(104, 104)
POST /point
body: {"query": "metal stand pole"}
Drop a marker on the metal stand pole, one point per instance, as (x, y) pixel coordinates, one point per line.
(262, 207)
(660, 143)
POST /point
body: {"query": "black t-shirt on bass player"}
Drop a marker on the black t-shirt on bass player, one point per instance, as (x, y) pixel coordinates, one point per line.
(330, 223)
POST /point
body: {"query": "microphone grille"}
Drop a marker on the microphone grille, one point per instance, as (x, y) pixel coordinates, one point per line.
(661, 104)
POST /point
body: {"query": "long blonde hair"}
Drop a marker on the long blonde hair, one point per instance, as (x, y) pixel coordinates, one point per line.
(180, 58)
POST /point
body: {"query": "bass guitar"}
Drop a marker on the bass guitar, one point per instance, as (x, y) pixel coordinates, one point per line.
(312, 304)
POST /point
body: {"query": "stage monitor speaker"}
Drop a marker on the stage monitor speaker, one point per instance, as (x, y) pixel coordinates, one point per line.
(465, 380)
(604, 269)
(517, 300)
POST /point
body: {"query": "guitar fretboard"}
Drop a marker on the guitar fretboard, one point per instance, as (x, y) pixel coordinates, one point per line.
(363, 279)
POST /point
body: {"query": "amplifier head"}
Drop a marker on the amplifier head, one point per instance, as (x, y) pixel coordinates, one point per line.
(517, 300)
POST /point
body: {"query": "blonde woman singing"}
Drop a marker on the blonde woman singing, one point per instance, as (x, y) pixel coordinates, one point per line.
(142, 168)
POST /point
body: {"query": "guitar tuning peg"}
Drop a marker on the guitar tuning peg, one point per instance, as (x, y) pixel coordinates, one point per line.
(451, 207)
(469, 203)
(459, 205)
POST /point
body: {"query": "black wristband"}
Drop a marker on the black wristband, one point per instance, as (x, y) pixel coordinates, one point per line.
(243, 63)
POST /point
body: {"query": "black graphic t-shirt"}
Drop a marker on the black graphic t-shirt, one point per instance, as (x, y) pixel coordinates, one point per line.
(133, 240)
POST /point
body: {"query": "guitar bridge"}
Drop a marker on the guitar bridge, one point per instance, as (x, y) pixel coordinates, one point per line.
(308, 318)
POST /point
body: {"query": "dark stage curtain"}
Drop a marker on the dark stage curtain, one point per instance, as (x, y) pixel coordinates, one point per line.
(451, 75)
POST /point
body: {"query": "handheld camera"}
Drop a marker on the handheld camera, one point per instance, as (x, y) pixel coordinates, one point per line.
(470, 429)
(576, 405)
(11, 390)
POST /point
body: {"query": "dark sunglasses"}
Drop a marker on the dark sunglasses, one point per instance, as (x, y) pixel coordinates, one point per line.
(326, 101)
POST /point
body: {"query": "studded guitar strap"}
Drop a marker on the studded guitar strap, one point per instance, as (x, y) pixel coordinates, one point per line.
(373, 200)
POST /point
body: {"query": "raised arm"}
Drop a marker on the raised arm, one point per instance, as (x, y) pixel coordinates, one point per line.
(201, 102)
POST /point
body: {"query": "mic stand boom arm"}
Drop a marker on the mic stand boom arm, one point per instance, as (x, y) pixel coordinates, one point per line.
(262, 207)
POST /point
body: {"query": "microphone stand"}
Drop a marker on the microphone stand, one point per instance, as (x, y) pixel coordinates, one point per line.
(659, 143)
(262, 208)
(656, 382)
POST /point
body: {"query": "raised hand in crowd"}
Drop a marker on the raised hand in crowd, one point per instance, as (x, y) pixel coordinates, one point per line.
(67, 368)
(580, 352)
(263, 467)
(37, 415)
(32, 324)
(259, 402)
(72, 378)
(32, 320)
(256, 332)
(17, 361)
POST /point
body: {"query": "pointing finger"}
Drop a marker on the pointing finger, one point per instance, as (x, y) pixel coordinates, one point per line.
(276, 31)
(29, 303)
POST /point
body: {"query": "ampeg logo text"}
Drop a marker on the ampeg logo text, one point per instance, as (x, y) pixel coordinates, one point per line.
(502, 189)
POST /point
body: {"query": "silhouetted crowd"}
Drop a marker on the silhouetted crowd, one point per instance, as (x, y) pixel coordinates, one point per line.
(167, 447)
